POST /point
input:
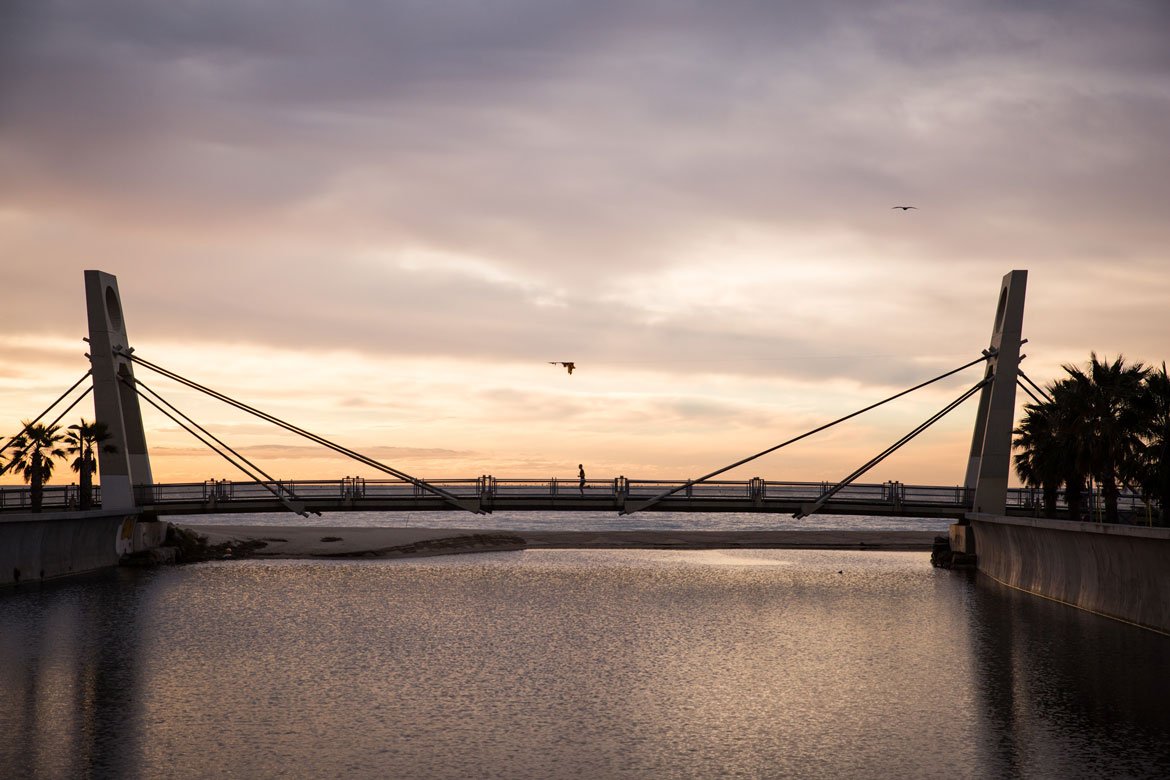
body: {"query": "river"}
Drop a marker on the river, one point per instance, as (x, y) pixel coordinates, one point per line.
(573, 664)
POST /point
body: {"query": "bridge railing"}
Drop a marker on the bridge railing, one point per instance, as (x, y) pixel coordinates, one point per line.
(354, 491)
(18, 498)
(885, 492)
(330, 489)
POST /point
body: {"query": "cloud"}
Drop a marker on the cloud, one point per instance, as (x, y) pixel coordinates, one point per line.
(411, 124)
(297, 452)
(694, 195)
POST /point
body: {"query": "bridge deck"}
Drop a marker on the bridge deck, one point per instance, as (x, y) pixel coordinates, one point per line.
(490, 494)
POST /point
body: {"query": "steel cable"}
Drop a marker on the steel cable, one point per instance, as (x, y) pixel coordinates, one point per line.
(651, 502)
(268, 480)
(821, 499)
(445, 495)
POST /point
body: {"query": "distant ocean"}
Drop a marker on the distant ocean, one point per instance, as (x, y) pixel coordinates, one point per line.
(576, 521)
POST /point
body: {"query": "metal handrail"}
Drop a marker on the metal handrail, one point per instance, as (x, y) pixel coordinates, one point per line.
(357, 490)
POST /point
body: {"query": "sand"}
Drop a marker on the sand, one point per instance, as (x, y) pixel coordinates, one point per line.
(328, 542)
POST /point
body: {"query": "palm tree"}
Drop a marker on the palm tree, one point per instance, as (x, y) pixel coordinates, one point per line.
(36, 449)
(1065, 430)
(1103, 402)
(1043, 461)
(83, 441)
(1155, 472)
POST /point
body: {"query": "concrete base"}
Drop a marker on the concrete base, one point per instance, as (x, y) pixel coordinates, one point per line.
(962, 539)
(36, 547)
(1119, 571)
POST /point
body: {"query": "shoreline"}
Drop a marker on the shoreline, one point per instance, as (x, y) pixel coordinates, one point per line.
(365, 542)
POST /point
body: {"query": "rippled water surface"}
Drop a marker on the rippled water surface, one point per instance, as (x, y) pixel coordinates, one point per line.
(573, 664)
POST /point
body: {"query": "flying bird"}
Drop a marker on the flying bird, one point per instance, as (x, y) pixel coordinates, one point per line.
(904, 207)
(567, 364)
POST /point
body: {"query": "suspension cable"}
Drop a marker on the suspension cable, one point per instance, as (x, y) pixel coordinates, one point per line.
(139, 383)
(1027, 390)
(651, 502)
(203, 441)
(364, 459)
(1037, 387)
(805, 511)
(4, 467)
(8, 443)
(268, 481)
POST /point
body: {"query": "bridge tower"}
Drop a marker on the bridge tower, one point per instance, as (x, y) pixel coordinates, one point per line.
(115, 404)
(990, 462)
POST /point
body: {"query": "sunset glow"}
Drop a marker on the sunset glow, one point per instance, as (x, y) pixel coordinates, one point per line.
(381, 221)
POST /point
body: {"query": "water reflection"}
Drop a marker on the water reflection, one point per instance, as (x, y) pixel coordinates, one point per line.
(550, 664)
(68, 672)
(1066, 693)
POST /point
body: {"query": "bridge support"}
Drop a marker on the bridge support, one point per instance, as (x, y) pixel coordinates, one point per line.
(115, 404)
(991, 444)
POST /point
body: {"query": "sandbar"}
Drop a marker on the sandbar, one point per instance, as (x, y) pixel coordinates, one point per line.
(333, 542)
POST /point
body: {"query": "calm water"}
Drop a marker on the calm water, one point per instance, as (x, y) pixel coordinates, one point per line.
(573, 664)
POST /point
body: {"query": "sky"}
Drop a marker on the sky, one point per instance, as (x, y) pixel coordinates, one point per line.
(381, 220)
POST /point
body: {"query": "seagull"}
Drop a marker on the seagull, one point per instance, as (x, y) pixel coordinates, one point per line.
(904, 207)
(567, 364)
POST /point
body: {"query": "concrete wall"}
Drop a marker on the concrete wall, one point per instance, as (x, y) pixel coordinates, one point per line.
(1116, 570)
(43, 546)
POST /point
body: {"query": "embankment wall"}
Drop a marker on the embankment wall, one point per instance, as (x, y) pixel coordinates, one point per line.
(1120, 571)
(44, 546)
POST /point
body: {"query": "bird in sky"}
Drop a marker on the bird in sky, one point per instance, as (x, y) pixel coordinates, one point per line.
(567, 364)
(904, 208)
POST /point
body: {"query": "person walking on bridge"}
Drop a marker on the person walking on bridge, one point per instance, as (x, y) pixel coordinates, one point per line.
(581, 478)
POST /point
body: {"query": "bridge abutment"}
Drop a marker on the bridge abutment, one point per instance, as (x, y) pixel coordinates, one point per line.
(48, 545)
(1118, 571)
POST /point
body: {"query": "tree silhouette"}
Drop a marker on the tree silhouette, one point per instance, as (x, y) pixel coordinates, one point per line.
(36, 449)
(1155, 461)
(1095, 426)
(83, 441)
(1104, 402)
(1042, 461)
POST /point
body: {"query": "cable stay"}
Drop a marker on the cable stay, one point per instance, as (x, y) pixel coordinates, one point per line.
(471, 505)
(4, 467)
(629, 510)
(1035, 386)
(291, 500)
(1027, 390)
(808, 509)
(8, 443)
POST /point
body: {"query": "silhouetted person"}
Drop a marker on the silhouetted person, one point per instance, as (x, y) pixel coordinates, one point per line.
(581, 479)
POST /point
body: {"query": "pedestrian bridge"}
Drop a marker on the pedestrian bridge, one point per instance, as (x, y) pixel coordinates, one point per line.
(488, 494)
(128, 484)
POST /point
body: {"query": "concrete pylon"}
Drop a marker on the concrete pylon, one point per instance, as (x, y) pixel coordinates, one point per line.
(114, 403)
(991, 444)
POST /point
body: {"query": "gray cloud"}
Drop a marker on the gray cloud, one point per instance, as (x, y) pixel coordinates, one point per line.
(237, 158)
(433, 313)
(584, 119)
